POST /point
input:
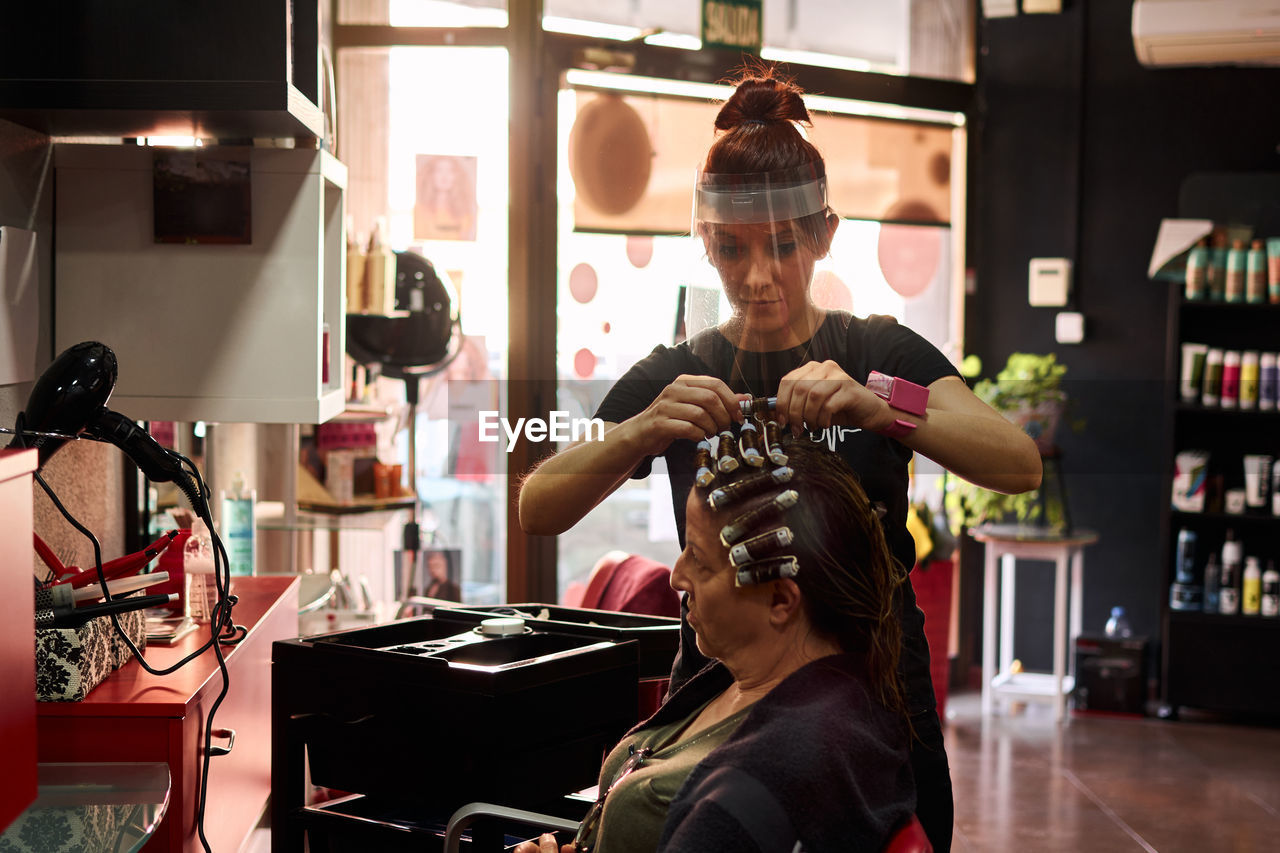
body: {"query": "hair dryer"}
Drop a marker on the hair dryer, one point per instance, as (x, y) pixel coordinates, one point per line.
(71, 391)
(71, 396)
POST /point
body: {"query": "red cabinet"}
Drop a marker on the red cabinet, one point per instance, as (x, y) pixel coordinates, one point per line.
(17, 636)
(136, 716)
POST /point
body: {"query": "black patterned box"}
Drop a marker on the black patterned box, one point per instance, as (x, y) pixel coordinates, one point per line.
(72, 661)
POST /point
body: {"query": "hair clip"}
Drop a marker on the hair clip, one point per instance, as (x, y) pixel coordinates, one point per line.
(749, 520)
(758, 407)
(764, 571)
(726, 462)
(706, 475)
(746, 487)
(773, 443)
(749, 445)
(759, 547)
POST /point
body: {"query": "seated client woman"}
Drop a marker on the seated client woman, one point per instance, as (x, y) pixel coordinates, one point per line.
(795, 737)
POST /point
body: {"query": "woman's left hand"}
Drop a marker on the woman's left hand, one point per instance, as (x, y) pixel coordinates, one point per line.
(546, 843)
(818, 394)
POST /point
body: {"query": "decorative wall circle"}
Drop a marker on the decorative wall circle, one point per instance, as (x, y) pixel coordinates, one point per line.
(610, 155)
(583, 283)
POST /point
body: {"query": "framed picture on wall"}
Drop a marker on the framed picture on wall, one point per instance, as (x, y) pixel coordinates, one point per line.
(201, 197)
(438, 574)
(445, 205)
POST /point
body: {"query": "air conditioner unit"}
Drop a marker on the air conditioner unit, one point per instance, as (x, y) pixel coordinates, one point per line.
(1206, 32)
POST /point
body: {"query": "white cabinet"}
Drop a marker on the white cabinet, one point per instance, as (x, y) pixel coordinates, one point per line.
(211, 332)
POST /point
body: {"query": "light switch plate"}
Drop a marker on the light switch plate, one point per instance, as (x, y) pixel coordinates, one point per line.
(1068, 327)
(1049, 281)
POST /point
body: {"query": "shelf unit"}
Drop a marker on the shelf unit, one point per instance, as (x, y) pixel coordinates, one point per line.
(215, 69)
(205, 332)
(1209, 660)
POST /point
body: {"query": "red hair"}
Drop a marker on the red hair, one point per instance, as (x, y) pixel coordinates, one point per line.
(758, 131)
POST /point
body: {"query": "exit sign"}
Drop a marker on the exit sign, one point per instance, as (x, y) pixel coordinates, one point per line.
(733, 24)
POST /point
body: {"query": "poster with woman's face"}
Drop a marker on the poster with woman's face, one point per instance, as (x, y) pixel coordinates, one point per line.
(438, 574)
(445, 202)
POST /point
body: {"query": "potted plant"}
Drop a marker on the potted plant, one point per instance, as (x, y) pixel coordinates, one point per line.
(1027, 391)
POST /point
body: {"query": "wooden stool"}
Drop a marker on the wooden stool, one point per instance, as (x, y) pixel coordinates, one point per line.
(1008, 543)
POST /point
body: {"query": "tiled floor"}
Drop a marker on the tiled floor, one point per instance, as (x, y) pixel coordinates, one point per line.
(1024, 783)
(1101, 785)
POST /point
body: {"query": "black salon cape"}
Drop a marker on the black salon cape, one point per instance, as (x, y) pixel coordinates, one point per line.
(817, 760)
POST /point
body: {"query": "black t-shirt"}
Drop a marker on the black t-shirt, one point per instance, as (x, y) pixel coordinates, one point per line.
(858, 345)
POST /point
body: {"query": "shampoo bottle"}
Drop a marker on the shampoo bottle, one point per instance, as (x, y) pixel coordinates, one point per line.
(1236, 271)
(1255, 276)
(1270, 604)
(238, 525)
(1251, 599)
(1228, 584)
(1211, 601)
(1197, 280)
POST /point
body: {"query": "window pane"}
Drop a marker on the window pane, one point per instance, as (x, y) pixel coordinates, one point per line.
(632, 158)
(441, 187)
(424, 13)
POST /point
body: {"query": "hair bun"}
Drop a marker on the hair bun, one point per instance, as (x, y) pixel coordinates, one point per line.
(763, 100)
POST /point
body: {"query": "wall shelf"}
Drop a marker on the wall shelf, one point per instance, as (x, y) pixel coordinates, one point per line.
(231, 333)
(1211, 660)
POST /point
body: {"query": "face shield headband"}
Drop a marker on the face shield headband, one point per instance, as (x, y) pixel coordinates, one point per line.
(759, 197)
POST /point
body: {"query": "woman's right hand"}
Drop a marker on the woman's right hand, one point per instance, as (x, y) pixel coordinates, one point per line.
(692, 407)
(546, 843)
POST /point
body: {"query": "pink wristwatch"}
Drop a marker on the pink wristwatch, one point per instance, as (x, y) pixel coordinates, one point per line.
(902, 395)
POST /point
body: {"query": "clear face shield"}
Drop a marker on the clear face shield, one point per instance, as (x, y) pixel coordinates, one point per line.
(762, 233)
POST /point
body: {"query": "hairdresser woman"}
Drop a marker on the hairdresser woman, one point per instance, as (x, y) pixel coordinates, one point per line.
(796, 737)
(761, 210)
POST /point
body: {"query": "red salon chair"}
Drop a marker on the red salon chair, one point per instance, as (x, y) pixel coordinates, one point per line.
(910, 838)
(629, 583)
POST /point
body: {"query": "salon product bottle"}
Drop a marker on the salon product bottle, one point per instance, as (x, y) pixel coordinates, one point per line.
(1229, 580)
(1255, 274)
(1211, 391)
(1230, 394)
(238, 525)
(1270, 605)
(1235, 271)
(1212, 574)
(1185, 593)
(380, 272)
(1217, 267)
(1251, 588)
(1249, 374)
(1268, 376)
(1273, 270)
(1197, 271)
(1275, 488)
(355, 270)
